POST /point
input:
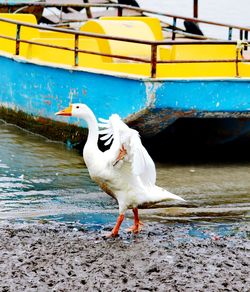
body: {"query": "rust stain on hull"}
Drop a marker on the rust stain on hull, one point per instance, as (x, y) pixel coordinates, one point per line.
(151, 121)
(57, 131)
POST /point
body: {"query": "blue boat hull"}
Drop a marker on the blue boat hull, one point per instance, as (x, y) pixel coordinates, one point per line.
(149, 105)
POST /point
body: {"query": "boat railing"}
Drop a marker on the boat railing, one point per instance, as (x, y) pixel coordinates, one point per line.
(243, 31)
(153, 60)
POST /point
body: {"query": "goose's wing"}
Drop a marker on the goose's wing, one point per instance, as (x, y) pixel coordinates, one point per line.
(117, 131)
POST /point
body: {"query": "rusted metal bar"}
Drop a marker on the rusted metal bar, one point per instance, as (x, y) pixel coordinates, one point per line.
(196, 42)
(186, 34)
(79, 50)
(203, 61)
(153, 56)
(119, 11)
(153, 60)
(109, 37)
(88, 10)
(129, 58)
(195, 8)
(7, 37)
(111, 55)
(246, 35)
(102, 36)
(237, 62)
(173, 31)
(18, 28)
(230, 33)
(80, 33)
(76, 49)
(60, 16)
(241, 34)
(138, 9)
(246, 40)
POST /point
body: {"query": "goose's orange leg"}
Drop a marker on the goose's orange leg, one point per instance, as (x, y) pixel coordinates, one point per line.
(136, 227)
(115, 230)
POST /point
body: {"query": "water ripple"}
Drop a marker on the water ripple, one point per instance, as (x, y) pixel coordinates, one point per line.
(42, 179)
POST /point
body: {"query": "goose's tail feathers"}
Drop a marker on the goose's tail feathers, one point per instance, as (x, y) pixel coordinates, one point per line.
(174, 197)
(159, 194)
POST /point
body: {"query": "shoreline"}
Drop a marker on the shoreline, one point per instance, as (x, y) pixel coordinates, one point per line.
(59, 257)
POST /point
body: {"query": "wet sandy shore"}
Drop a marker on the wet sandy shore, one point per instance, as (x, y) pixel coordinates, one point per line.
(56, 257)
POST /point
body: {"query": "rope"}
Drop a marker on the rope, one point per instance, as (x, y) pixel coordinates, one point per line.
(241, 44)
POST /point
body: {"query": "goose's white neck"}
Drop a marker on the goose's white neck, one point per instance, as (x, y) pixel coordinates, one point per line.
(93, 134)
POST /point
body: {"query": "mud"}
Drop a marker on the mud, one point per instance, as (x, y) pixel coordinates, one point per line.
(59, 257)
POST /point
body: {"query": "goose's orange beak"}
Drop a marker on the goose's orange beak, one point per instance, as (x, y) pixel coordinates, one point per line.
(65, 112)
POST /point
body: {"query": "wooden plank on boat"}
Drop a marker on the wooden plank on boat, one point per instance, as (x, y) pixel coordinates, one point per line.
(12, 8)
(69, 14)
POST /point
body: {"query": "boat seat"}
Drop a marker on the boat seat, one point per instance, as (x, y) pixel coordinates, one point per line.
(203, 52)
(152, 22)
(140, 28)
(199, 52)
(9, 30)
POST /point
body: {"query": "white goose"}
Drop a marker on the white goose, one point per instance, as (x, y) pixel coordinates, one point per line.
(125, 171)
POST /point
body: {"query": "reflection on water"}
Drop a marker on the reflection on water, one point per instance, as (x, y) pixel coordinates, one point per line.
(220, 191)
(42, 179)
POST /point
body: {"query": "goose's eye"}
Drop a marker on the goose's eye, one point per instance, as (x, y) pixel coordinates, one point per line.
(77, 106)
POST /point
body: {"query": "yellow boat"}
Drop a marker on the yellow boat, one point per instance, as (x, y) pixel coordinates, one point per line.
(124, 65)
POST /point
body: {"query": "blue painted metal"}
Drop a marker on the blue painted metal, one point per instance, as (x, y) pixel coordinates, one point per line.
(150, 105)
(228, 95)
(42, 91)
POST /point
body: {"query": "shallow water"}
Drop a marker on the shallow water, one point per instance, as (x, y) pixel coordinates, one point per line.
(43, 180)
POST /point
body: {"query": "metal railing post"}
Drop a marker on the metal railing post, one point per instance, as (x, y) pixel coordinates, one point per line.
(246, 35)
(237, 62)
(119, 11)
(230, 33)
(153, 60)
(76, 50)
(241, 34)
(88, 11)
(195, 9)
(18, 28)
(174, 26)
(61, 15)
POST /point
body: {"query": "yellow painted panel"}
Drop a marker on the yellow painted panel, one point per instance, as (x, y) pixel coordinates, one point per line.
(171, 70)
(196, 70)
(52, 34)
(52, 54)
(141, 69)
(244, 69)
(153, 23)
(9, 29)
(164, 52)
(91, 44)
(127, 28)
(175, 70)
(202, 52)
